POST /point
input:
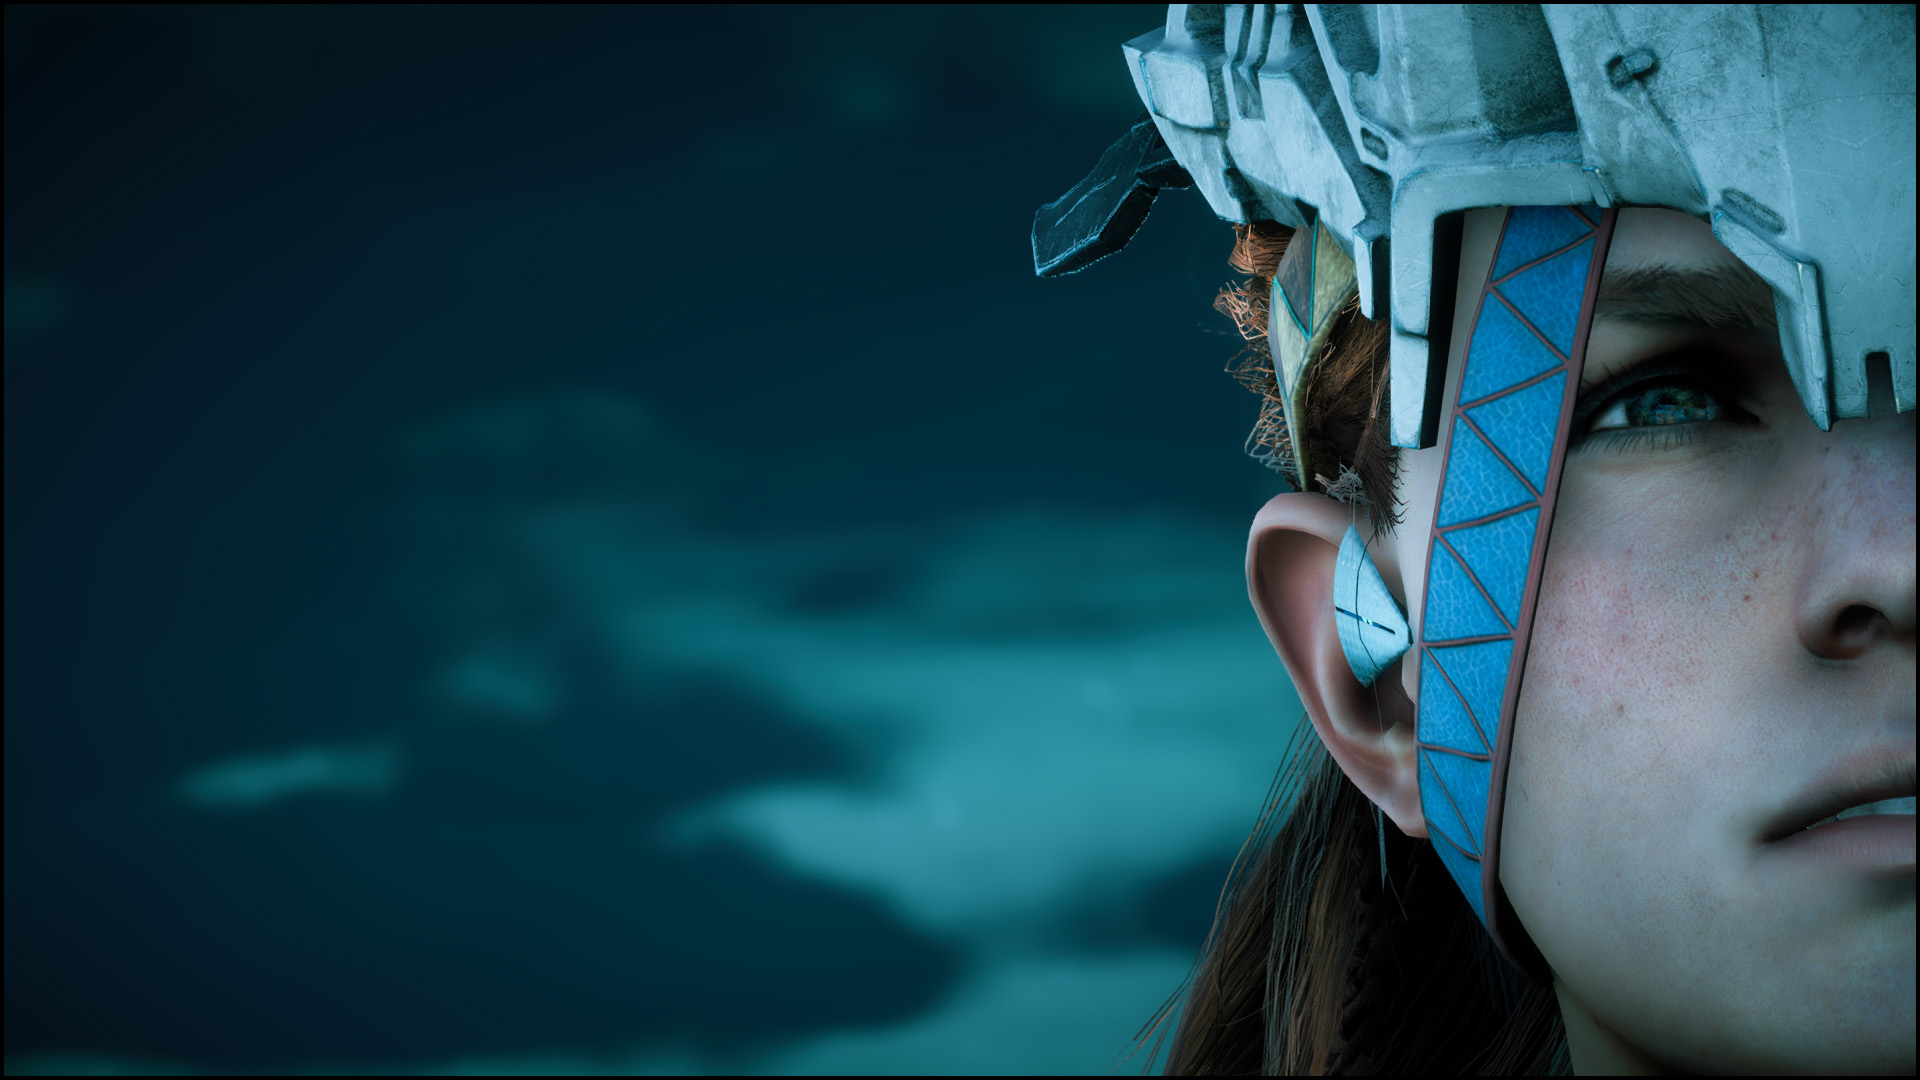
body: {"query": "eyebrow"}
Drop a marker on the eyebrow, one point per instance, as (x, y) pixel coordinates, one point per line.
(1713, 297)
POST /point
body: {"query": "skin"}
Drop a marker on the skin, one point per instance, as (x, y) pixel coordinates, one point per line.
(1727, 614)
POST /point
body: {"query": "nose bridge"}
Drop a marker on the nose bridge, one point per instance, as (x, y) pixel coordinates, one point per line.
(1872, 459)
(1855, 501)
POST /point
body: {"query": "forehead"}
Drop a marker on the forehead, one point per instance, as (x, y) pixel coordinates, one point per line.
(1646, 236)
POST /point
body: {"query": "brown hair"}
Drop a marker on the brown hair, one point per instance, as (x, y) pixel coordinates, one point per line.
(1340, 946)
(1344, 400)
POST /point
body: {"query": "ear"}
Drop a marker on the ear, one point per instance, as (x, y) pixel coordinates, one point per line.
(1368, 730)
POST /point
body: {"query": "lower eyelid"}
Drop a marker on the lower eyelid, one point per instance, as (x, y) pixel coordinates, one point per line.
(1631, 439)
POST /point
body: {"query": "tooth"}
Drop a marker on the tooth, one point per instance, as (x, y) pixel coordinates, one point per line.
(1884, 806)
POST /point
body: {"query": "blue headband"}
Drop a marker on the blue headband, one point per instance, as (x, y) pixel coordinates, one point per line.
(1504, 441)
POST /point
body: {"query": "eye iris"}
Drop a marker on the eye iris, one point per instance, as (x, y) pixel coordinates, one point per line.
(1670, 403)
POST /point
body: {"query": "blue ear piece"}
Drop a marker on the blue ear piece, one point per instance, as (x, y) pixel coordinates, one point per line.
(1373, 629)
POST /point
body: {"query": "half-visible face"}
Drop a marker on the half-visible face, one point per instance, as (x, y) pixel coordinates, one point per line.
(1724, 645)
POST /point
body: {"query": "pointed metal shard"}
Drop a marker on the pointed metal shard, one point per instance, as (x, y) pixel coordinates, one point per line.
(1107, 207)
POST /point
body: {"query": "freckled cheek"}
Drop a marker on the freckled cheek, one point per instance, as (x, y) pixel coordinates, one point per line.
(1584, 633)
(1623, 605)
(1605, 675)
(1582, 749)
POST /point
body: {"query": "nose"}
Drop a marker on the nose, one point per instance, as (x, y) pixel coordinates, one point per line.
(1859, 594)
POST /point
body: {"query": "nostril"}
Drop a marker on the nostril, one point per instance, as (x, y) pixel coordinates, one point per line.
(1857, 626)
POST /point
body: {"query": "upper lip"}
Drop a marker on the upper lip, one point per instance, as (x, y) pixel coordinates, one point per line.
(1864, 778)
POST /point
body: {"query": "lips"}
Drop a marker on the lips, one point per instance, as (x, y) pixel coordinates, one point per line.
(1850, 789)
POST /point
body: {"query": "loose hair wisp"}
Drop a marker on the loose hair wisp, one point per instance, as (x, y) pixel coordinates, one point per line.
(1319, 963)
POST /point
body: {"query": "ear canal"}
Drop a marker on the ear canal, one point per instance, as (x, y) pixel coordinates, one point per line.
(1373, 629)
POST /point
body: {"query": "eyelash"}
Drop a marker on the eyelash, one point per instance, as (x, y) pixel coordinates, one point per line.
(1706, 370)
(1627, 440)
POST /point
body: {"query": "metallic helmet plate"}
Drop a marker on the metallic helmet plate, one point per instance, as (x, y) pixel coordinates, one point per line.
(1789, 129)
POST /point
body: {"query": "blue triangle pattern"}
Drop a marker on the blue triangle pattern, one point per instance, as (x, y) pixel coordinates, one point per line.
(1469, 780)
(1476, 483)
(1523, 425)
(1589, 211)
(1503, 352)
(1549, 295)
(1437, 803)
(1498, 553)
(1533, 231)
(1455, 608)
(1442, 720)
(1464, 870)
(1479, 672)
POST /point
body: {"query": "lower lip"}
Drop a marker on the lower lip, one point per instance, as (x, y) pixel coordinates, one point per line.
(1873, 842)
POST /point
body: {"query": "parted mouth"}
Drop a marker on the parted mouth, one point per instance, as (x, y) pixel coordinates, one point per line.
(1881, 784)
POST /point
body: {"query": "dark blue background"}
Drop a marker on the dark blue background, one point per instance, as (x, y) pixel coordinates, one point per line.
(257, 257)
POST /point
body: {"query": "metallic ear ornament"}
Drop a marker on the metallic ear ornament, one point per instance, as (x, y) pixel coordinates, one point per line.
(1373, 629)
(1313, 282)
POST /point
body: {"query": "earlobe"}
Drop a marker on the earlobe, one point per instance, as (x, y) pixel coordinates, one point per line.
(1299, 565)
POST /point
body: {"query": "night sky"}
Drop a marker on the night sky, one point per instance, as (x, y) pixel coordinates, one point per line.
(571, 539)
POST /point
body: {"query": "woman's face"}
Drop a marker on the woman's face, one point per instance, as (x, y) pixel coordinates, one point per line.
(1725, 627)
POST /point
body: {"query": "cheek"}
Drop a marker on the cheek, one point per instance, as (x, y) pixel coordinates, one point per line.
(1602, 663)
(1580, 721)
(1623, 713)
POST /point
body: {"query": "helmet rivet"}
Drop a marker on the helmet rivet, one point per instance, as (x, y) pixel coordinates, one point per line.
(1622, 70)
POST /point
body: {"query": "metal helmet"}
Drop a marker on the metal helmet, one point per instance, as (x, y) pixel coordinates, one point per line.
(1790, 130)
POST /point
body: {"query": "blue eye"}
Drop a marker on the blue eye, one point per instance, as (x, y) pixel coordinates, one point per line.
(1659, 402)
